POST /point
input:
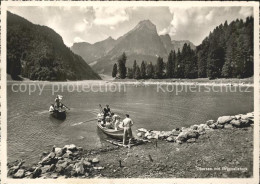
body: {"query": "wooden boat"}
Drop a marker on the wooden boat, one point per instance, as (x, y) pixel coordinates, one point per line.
(59, 114)
(116, 134)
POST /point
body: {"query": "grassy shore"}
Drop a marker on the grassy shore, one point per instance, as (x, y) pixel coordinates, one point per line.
(198, 80)
(231, 148)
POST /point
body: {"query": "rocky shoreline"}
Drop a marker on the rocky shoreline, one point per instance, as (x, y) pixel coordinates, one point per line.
(190, 134)
(74, 162)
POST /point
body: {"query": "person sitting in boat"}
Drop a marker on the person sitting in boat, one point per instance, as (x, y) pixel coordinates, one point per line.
(115, 120)
(108, 123)
(51, 109)
(58, 103)
(127, 124)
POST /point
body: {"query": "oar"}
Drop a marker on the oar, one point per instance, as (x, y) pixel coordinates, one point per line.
(101, 109)
(84, 122)
(66, 107)
(89, 120)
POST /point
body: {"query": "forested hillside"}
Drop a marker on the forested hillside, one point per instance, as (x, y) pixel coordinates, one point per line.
(226, 53)
(38, 53)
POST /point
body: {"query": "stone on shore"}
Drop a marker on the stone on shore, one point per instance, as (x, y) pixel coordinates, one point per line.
(49, 159)
(219, 126)
(224, 119)
(60, 166)
(95, 160)
(70, 147)
(19, 174)
(210, 122)
(213, 126)
(228, 126)
(37, 172)
(170, 139)
(59, 151)
(79, 168)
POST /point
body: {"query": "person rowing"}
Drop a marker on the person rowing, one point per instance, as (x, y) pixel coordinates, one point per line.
(58, 105)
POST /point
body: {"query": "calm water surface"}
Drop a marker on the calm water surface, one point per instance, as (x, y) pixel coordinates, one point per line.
(31, 130)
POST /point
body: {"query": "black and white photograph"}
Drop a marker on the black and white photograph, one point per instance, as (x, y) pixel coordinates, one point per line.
(126, 90)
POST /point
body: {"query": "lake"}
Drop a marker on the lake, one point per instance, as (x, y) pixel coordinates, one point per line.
(31, 130)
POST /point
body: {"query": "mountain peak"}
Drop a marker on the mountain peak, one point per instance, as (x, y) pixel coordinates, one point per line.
(109, 38)
(145, 24)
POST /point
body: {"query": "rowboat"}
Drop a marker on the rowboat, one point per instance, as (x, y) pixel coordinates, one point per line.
(59, 114)
(116, 134)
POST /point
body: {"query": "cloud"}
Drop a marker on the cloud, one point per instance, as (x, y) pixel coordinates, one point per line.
(78, 39)
(110, 16)
(246, 11)
(195, 23)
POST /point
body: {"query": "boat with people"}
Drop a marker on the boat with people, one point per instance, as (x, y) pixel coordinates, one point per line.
(108, 129)
(58, 110)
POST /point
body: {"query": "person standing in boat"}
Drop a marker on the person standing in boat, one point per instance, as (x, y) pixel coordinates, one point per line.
(107, 112)
(127, 124)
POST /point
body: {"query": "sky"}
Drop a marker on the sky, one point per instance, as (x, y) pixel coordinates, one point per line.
(92, 24)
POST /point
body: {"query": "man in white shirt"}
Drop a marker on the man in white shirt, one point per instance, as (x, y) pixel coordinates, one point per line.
(127, 124)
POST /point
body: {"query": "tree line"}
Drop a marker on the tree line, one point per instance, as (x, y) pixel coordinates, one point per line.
(226, 53)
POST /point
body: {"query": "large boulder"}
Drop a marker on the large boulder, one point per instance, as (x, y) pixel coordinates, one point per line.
(49, 159)
(95, 160)
(228, 126)
(37, 172)
(68, 170)
(241, 123)
(79, 168)
(182, 137)
(68, 154)
(219, 126)
(236, 123)
(213, 126)
(224, 119)
(194, 127)
(59, 151)
(19, 174)
(210, 122)
(170, 139)
(142, 130)
(15, 168)
(188, 134)
(192, 134)
(70, 147)
(60, 166)
(175, 132)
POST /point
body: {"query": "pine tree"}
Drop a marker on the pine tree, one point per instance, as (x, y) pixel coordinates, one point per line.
(134, 67)
(159, 68)
(137, 73)
(170, 65)
(202, 55)
(114, 72)
(143, 70)
(121, 66)
(178, 66)
(130, 73)
(150, 71)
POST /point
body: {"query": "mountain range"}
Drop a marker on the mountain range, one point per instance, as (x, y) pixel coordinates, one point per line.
(142, 43)
(39, 53)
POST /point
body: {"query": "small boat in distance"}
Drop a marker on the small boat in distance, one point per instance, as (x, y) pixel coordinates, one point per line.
(59, 109)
